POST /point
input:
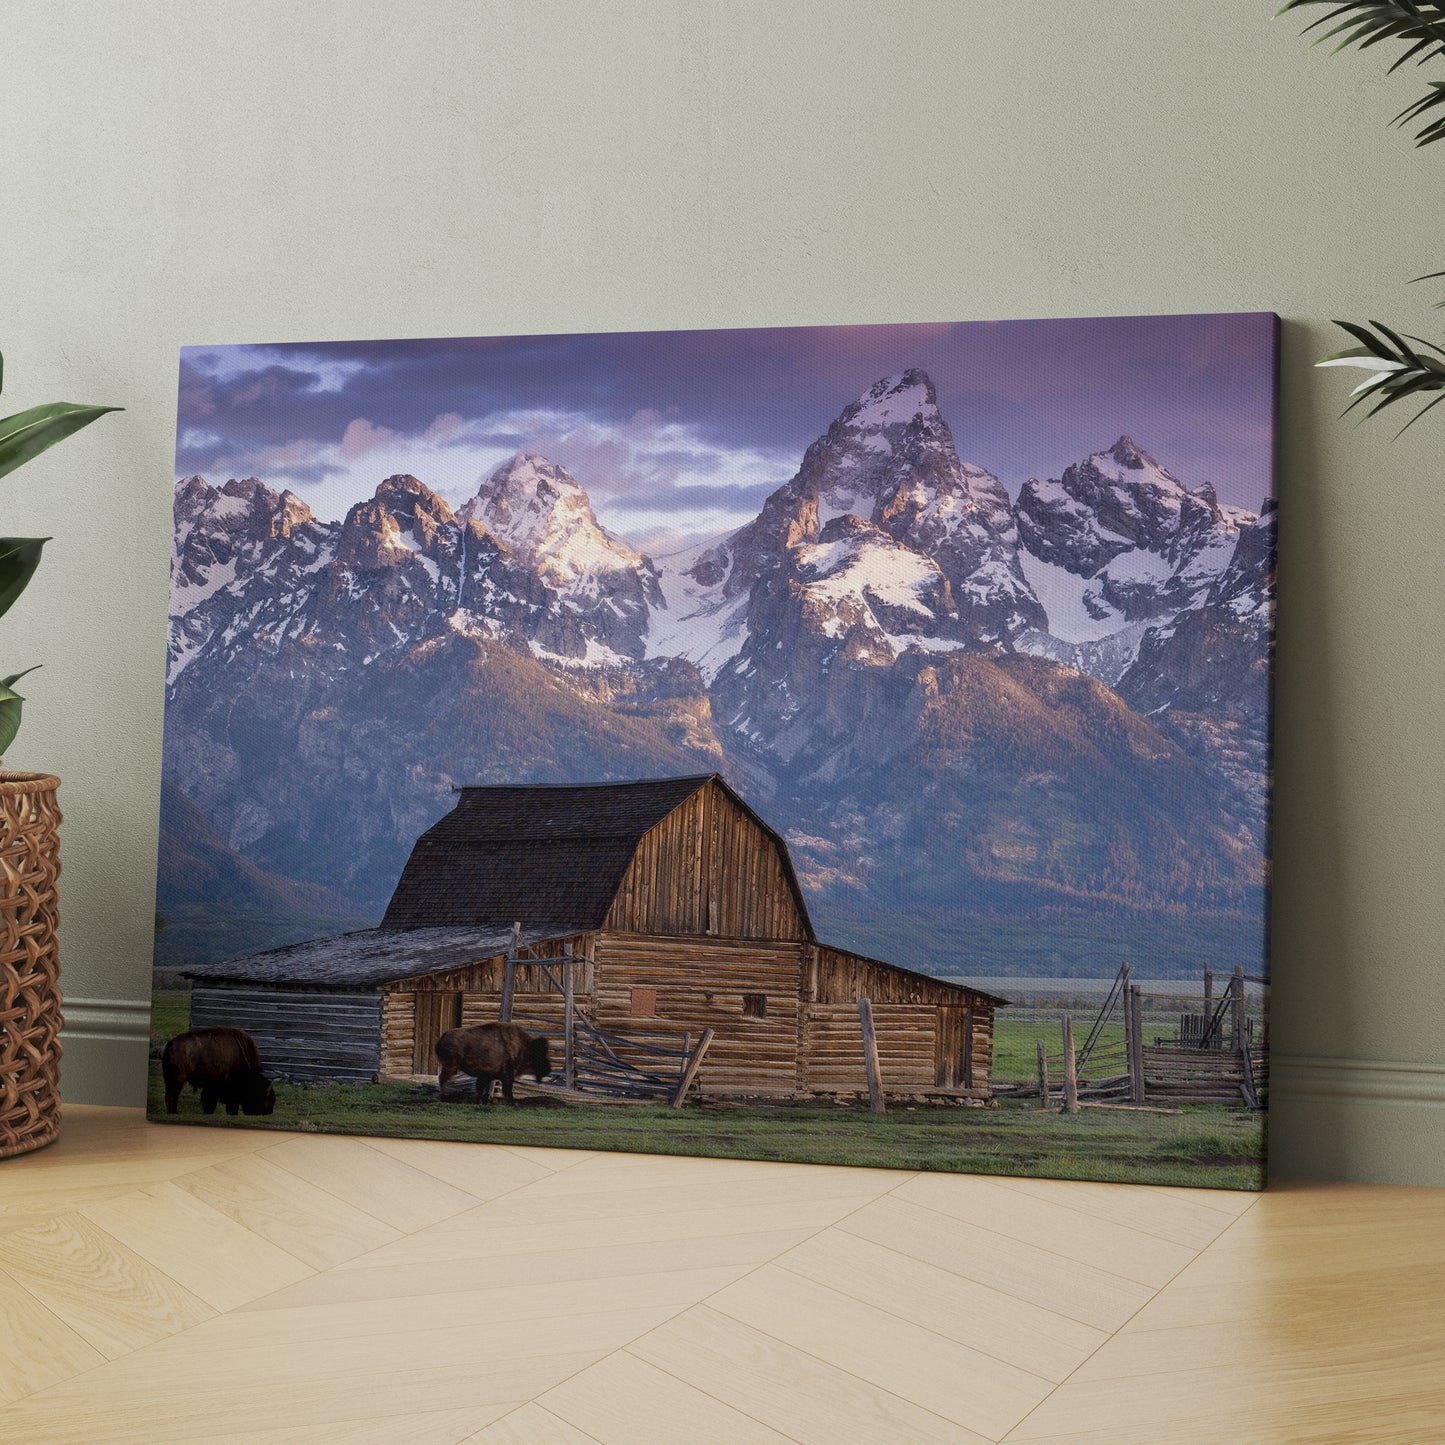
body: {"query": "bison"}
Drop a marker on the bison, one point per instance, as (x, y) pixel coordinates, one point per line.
(488, 1052)
(223, 1066)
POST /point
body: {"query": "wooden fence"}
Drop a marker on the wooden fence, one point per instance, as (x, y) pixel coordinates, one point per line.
(598, 1062)
(1217, 1056)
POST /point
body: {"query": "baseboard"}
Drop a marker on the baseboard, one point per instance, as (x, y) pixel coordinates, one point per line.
(104, 1045)
(1302, 1076)
(1370, 1120)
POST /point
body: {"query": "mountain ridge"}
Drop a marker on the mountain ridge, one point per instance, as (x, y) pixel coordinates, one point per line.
(337, 678)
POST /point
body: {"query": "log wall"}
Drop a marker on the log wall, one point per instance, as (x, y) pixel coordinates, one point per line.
(833, 1047)
(701, 983)
(398, 1031)
(480, 987)
(486, 974)
(708, 869)
(837, 976)
(299, 1034)
(835, 981)
(808, 1039)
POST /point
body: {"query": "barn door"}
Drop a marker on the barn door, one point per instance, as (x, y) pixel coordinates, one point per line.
(955, 1048)
(435, 1014)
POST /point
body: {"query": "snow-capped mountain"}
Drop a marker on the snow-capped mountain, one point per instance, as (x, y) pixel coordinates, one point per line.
(889, 460)
(525, 559)
(539, 511)
(1205, 675)
(332, 680)
(1118, 540)
(229, 548)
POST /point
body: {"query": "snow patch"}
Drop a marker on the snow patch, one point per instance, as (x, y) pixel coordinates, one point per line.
(695, 622)
(1064, 595)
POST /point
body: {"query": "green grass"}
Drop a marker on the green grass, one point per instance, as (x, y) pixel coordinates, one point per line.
(170, 1015)
(1205, 1147)
(1016, 1041)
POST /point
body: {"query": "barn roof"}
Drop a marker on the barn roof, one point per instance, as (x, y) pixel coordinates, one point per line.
(542, 854)
(371, 957)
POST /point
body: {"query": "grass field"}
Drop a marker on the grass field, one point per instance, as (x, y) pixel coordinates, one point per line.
(1203, 1146)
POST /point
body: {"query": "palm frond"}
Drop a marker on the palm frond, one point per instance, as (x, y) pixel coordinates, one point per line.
(1397, 370)
(1419, 24)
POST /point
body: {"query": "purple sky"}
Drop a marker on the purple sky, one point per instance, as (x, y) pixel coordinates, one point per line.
(675, 433)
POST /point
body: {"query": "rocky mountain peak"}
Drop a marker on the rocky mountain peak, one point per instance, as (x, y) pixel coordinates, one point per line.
(1128, 453)
(403, 519)
(896, 400)
(398, 488)
(890, 461)
(540, 510)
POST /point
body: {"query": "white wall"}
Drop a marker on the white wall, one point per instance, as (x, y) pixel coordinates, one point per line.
(263, 171)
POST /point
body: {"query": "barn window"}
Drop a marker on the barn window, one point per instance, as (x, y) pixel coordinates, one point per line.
(644, 1002)
(755, 1005)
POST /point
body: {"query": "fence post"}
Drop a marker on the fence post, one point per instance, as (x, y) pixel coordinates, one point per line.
(1043, 1075)
(870, 1057)
(509, 975)
(1135, 1010)
(1237, 1008)
(693, 1065)
(569, 990)
(1071, 1076)
(1128, 998)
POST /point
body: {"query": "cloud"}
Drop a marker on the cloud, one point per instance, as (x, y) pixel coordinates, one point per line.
(645, 420)
(444, 427)
(361, 437)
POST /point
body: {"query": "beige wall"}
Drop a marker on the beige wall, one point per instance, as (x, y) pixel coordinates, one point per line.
(269, 171)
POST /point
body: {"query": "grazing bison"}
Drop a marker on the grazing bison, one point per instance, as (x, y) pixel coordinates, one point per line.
(223, 1065)
(488, 1052)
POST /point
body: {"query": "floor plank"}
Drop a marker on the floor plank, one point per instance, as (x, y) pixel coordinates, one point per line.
(111, 1297)
(481, 1170)
(176, 1283)
(1026, 1271)
(622, 1400)
(371, 1180)
(1085, 1237)
(787, 1388)
(530, 1424)
(986, 1319)
(306, 1221)
(379, 1278)
(39, 1348)
(150, 1410)
(954, 1381)
(207, 1252)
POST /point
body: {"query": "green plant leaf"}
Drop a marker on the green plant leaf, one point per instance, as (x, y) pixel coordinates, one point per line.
(28, 433)
(1419, 24)
(1398, 370)
(19, 557)
(10, 705)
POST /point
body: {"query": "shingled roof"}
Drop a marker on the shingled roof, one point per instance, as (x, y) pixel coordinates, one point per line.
(370, 957)
(540, 855)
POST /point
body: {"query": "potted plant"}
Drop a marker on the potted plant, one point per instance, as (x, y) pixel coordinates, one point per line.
(29, 846)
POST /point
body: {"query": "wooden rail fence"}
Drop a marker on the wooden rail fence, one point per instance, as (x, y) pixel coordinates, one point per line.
(1217, 1055)
(597, 1061)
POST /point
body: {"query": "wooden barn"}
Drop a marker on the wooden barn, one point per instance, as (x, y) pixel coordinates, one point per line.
(674, 909)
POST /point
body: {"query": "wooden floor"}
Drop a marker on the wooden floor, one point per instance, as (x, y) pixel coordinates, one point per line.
(165, 1284)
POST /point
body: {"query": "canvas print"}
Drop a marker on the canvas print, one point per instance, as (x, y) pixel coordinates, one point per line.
(837, 744)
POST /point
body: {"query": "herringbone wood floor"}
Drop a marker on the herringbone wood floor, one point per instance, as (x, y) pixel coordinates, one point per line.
(188, 1284)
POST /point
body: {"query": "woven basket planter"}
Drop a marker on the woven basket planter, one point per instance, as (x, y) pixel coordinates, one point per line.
(29, 962)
